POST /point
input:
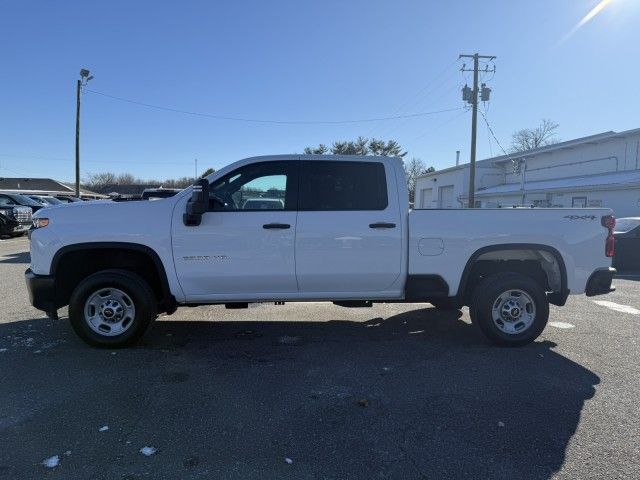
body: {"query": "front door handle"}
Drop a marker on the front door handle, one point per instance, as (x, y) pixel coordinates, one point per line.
(382, 225)
(275, 226)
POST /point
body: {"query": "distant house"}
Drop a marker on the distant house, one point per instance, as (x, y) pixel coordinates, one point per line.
(597, 171)
(42, 186)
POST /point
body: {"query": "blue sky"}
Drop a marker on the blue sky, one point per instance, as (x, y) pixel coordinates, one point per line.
(298, 60)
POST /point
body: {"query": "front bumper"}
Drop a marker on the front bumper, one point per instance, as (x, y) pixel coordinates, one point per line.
(41, 288)
(600, 282)
(22, 228)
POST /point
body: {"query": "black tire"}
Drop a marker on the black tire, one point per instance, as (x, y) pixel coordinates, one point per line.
(486, 296)
(137, 291)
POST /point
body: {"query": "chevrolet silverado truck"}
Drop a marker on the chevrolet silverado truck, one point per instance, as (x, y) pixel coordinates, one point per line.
(340, 231)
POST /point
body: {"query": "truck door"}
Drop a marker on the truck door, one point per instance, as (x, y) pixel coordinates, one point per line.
(244, 246)
(349, 234)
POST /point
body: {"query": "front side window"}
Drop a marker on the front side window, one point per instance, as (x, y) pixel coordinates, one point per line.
(331, 185)
(256, 187)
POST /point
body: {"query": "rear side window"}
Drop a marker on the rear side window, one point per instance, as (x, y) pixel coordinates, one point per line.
(327, 185)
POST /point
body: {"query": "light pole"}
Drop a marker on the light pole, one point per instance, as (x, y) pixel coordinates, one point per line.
(85, 76)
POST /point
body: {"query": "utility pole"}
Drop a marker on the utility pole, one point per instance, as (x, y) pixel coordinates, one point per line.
(85, 76)
(196, 170)
(471, 96)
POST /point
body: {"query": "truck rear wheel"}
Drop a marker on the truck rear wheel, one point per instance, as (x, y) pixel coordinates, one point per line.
(510, 309)
(112, 308)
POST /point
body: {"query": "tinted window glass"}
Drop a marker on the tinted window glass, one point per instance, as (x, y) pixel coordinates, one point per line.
(343, 186)
(624, 225)
(259, 186)
(22, 200)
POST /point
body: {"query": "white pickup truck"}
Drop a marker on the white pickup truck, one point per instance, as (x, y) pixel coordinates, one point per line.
(328, 228)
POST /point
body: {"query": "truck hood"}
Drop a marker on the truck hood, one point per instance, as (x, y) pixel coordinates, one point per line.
(102, 218)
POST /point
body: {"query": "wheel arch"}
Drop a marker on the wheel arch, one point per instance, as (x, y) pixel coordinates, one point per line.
(157, 277)
(557, 297)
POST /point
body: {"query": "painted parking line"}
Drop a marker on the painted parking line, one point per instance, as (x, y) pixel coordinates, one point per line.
(617, 307)
(563, 325)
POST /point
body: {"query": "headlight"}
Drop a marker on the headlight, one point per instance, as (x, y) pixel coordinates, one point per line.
(40, 222)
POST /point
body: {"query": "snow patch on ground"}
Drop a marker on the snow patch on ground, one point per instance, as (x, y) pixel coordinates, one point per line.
(51, 462)
(103, 429)
(617, 307)
(563, 325)
(148, 451)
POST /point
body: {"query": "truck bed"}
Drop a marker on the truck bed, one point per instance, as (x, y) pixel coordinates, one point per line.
(441, 241)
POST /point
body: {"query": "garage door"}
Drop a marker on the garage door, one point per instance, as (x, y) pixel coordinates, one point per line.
(425, 197)
(445, 199)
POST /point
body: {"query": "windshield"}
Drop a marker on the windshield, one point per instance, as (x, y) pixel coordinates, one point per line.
(51, 200)
(24, 200)
(624, 225)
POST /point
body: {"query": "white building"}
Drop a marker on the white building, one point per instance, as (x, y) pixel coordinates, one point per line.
(599, 170)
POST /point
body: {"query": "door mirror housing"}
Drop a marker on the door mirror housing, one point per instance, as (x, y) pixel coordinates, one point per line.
(199, 203)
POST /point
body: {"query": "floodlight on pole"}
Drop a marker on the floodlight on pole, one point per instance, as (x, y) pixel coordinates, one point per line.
(85, 76)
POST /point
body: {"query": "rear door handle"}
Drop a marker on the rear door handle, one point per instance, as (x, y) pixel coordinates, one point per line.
(275, 226)
(382, 225)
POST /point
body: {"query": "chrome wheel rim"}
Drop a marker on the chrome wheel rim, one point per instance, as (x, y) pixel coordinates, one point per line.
(109, 312)
(513, 311)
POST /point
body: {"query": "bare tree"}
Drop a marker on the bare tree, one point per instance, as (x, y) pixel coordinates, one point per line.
(413, 169)
(98, 181)
(530, 138)
(127, 179)
(95, 181)
(182, 182)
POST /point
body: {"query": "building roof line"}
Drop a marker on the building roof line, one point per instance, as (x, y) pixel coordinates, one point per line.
(590, 139)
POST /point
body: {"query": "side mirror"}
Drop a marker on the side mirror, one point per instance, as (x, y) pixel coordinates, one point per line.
(198, 204)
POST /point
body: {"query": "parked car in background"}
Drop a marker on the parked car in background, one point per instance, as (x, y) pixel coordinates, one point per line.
(263, 204)
(14, 220)
(627, 235)
(45, 200)
(158, 193)
(17, 199)
(67, 199)
(7, 224)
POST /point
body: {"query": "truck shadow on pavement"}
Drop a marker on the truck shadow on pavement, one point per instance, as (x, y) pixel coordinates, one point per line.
(417, 395)
(21, 257)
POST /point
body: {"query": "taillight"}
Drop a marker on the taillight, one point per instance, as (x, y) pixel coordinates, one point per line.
(609, 222)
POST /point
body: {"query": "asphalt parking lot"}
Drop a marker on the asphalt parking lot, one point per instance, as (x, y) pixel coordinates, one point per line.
(319, 391)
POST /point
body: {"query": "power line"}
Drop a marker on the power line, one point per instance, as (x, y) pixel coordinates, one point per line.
(437, 127)
(424, 90)
(495, 138)
(273, 122)
(386, 132)
(63, 159)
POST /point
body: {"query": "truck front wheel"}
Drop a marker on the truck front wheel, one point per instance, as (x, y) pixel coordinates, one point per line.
(510, 309)
(112, 308)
